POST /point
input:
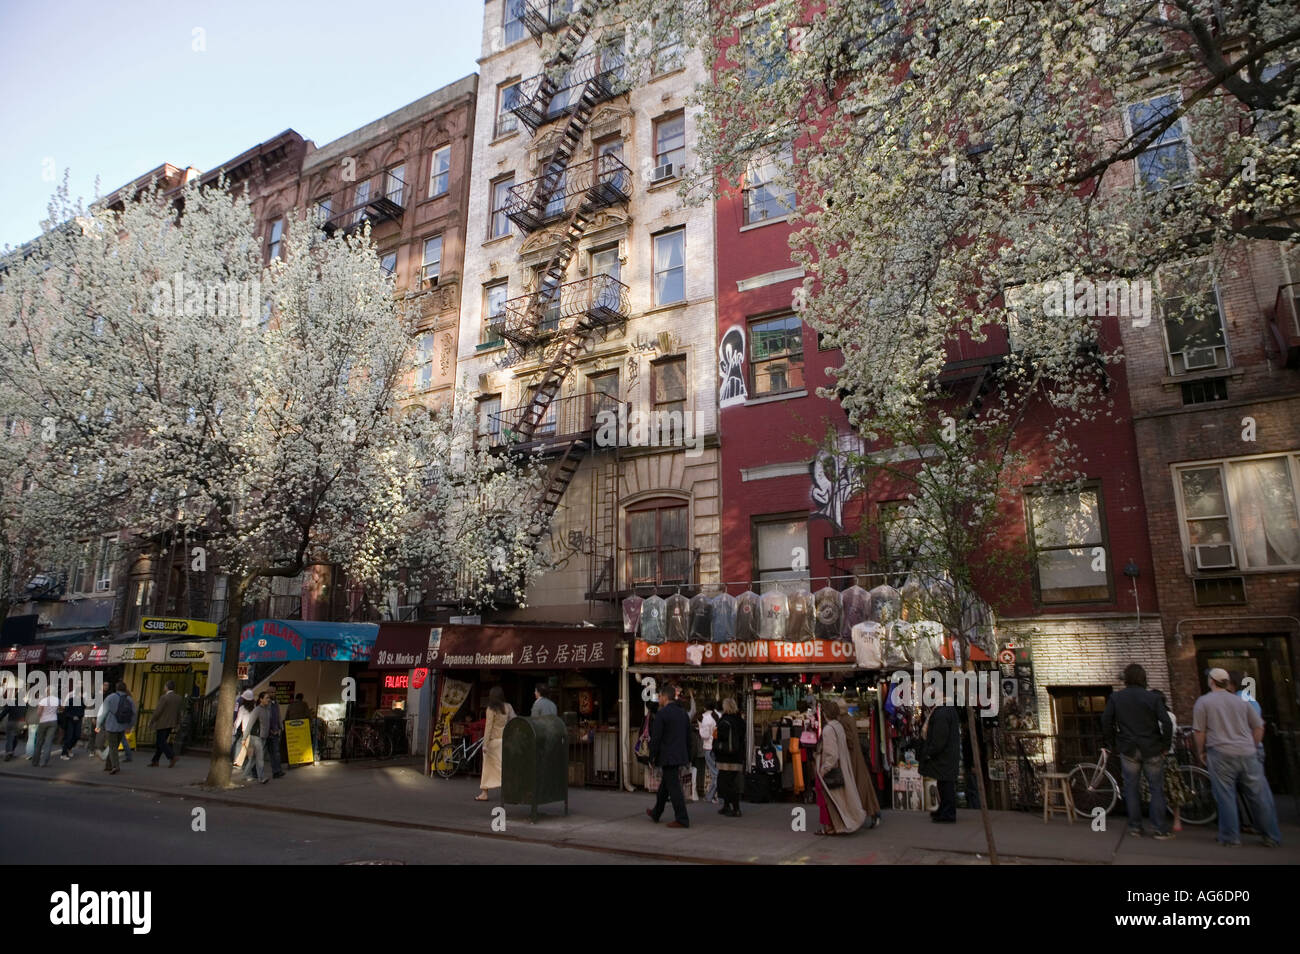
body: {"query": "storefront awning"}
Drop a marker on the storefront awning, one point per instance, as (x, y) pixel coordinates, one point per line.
(24, 655)
(279, 640)
(86, 655)
(177, 628)
(524, 647)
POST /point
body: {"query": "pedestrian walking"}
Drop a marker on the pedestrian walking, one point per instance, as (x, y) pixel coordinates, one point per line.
(834, 766)
(239, 734)
(670, 750)
(542, 704)
(708, 731)
(47, 723)
(71, 719)
(275, 739)
(119, 717)
(499, 712)
(259, 729)
(1227, 730)
(861, 771)
(1136, 725)
(166, 719)
(15, 720)
(729, 751)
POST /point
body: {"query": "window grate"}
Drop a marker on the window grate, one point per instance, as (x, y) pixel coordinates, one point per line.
(1220, 591)
(1204, 392)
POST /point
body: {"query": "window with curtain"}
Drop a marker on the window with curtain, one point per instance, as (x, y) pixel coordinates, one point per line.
(360, 198)
(765, 197)
(1193, 325)
(512, 22)
(670, 267)
(494, 309)
(106, 563)
(1166, 162)
(276, 244)
(499, 225)
(670, 141)
(440, 171)
(431, 267)
(658, 551)
(1064, 530)
(424, 347)
(669, 384)
(395, 185)
(489, 415)
(1250, 504)
(776, 355)
(781, 553)
(507, 98)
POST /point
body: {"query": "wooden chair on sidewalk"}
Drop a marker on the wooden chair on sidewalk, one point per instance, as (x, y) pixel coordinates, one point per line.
(1056, 796)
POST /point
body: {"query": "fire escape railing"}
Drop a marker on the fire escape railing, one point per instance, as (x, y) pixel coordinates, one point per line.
(555, 93)
(381, 198)
(556, 195)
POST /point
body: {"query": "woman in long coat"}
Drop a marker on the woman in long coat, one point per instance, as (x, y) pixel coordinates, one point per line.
(842, 802)
(861, 771)
(499, 712)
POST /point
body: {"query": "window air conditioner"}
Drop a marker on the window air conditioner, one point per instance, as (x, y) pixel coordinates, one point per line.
(1214, 556)
(1195, 359)
(666, 171)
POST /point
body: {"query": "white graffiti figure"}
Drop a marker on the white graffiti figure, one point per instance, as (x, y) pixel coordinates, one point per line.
(832, 486)
(731, 360)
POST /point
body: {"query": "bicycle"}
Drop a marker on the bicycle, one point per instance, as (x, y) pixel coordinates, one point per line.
(1093, 786)
(450, 759)
(364, 740)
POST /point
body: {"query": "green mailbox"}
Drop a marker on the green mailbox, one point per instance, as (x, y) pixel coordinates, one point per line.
(535, 763)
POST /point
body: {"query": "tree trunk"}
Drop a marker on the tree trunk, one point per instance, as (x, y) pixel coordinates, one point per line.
(978, 765)
(223, 731)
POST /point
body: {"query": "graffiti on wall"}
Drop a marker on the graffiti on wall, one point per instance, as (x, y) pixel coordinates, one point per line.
(731, 368)
(832, 485)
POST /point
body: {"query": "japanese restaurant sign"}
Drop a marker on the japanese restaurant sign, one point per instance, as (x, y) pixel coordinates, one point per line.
(524, 647)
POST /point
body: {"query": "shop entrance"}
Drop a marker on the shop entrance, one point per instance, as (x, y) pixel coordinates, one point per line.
(1267, 660)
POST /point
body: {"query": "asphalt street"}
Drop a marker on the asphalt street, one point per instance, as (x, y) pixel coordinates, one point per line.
(74, 824)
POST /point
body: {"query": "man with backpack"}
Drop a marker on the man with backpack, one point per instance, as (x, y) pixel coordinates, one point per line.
(119, 716)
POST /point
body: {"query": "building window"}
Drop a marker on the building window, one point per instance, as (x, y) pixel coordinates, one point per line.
(1205, 391)
(140, 606)
(549, 297)
(604, 261)
(440, 171)
(324, 210)
(507, 99)
(603, 391)
(546, 426)
(360, 199)
(765, 196)
(780, 552)
(276, 245)
(494, 310)
(669, 384)
(512, 22)
(1076, 711)
(670, 267)
(776, 355)
(658, 553)
(1241, 514)
(105, 564)
(395, 185)
(670, 145)
(668, 52)
(763, 54)
(1166, 162)
(499, 227)
(424, 347)
(489, 416)
(431, 267)
(388, 262)
(1067, 534)
(80, 576)
(1193, 327)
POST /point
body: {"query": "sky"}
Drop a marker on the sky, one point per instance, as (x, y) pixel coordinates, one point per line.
(114, 88)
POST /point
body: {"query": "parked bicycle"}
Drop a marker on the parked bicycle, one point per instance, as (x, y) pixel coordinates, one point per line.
(1093, 786)
(366, 740)
(450, 759)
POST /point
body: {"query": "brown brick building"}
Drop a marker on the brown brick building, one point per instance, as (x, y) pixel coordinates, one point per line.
(1216, 408)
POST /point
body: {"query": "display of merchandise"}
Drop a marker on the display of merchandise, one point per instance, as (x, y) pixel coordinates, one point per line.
(855, 601)
(775, 615)
(886, 604)
(866, 645)
(799, 627)
(701, 618)
(749, 611)
(653, 613)
(677, 615)
(695, 654)
(632, 613)
(723, 622)
(829, 611)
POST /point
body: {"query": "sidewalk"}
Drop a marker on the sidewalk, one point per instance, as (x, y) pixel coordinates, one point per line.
(395, 793)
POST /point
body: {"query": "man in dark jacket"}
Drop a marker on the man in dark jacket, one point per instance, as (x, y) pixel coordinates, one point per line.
(941, 757)
(670, 750)
(166, 720)
(15, 719)
(1136, 725)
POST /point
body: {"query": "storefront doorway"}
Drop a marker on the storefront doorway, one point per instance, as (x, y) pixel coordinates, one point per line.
(1267, 660)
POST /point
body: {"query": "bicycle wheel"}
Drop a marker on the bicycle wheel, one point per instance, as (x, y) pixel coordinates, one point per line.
(1200, 807)
(445, 762)
(383, 746)
(1089, 795)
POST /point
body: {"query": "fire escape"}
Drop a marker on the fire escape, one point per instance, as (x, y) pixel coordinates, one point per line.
(556, 321)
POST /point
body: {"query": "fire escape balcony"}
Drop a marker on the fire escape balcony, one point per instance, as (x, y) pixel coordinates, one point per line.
(600, 302)
(571, 418)
(542, 16)
(547, 97)
(599, 182)
(1283, 325)
(381, 198)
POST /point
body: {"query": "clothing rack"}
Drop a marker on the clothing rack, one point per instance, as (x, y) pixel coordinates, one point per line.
(754, 584)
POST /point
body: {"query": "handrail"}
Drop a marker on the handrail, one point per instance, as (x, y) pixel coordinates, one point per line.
(567, 418)
(601, 296)
(546, 96)
(600, 182)
(386, 198)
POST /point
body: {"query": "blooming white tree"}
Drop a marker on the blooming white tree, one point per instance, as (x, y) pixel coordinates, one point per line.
(260, 410)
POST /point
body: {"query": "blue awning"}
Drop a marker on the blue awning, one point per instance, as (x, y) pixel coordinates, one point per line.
(282, 640)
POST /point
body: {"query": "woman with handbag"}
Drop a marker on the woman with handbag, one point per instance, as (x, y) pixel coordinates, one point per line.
(729, 751)
(835, 779)
(499, 712)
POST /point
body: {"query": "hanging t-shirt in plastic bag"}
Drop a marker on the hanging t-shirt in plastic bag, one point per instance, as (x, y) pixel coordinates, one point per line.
(897, 642)
(886, 604)
(829, 610)
(653, 611)
(722, 625)
(799, 628)
(927, 644)
(776, 613)
(695, 654)
(749, 611)
(632, 613)
(677, 618)
(866, 645)
(856, 602)
(701, 618)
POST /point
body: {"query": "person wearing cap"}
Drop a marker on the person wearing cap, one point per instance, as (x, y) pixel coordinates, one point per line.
(243, 712)
(1227, 730)
(1136, 726)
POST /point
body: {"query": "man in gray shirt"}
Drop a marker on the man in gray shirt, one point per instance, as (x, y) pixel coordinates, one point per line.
(259, 730)
(1227, 730)
(542, 704)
